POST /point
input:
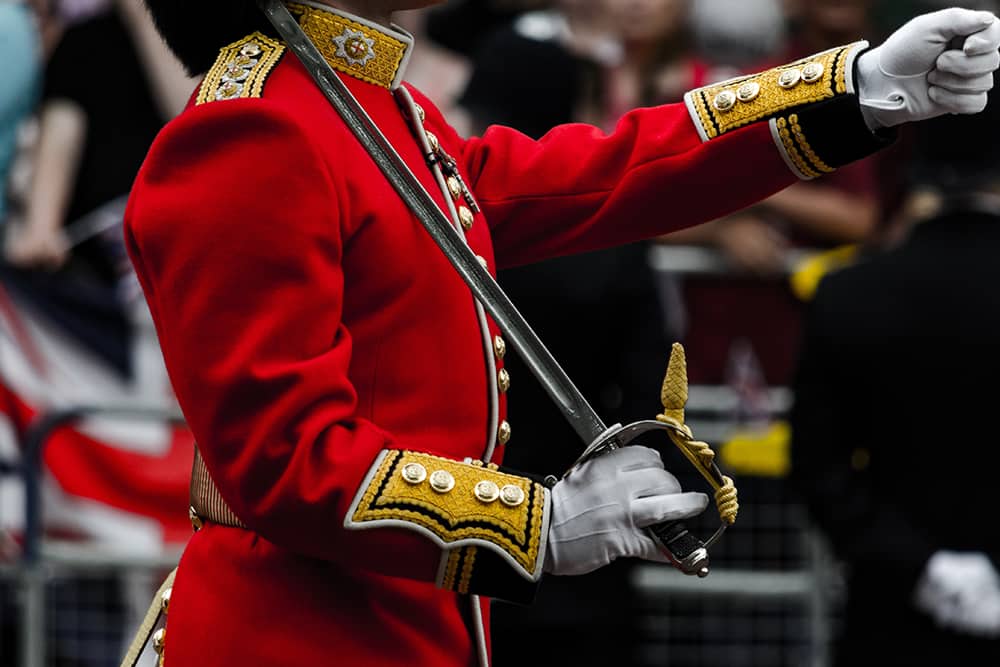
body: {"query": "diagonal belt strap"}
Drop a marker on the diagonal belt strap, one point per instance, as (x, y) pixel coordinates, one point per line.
(206, 501)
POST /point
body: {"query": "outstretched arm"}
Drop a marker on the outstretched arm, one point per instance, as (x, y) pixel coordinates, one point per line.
(730, 145)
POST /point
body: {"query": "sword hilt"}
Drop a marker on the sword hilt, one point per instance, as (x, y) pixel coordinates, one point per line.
(686, 552)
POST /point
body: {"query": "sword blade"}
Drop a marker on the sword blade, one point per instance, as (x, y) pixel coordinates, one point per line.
(575, 408)
(686, 552)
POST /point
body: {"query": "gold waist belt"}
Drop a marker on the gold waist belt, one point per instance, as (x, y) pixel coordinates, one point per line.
(206, 501)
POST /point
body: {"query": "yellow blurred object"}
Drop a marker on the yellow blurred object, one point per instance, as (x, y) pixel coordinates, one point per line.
(806, 277)
(762, 453)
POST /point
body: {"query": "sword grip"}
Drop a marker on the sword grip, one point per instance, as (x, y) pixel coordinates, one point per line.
(687, 553)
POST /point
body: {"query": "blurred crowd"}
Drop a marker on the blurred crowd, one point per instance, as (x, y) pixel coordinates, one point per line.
(866, 292)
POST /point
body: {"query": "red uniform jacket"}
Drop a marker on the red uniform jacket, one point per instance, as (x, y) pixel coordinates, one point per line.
(325, 353)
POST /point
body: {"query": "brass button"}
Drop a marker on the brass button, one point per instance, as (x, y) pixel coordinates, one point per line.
(504, 432)
(725, 100)
(251, 50)
(465, 217)
(487, 491)
(196, 522)
(454, 187)
(483, 262)
(420, 112)
(812, 72)
(433, 141)
(511, 495)
(442, 481)
(503, 380)
(790, 78)
(159, 637)
(499, 347)
(414, 473)
(165, 600)
(748, 92)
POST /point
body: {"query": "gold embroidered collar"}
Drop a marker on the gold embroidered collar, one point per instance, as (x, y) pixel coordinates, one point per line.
(354, 46)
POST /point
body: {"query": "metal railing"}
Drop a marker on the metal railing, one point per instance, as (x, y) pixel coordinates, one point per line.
(39, 560)
(706, 261)
(809, 587)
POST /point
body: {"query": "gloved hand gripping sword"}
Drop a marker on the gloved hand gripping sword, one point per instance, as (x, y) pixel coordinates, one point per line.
(682, 548)
(685, 551)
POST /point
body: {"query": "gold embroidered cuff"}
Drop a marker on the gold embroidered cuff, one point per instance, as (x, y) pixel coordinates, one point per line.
(797, 150)
(241, 69)
(729, 105)
(466, 509)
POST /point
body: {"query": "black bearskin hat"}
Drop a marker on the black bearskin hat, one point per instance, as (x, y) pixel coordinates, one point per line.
(195, 30)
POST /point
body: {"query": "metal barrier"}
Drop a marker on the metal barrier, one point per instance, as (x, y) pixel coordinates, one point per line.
(37, 560)
(698, 260)
(810, 588)
(798, 579)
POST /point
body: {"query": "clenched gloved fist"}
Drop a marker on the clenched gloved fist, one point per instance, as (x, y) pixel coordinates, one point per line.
(936, 64)
(599, 510)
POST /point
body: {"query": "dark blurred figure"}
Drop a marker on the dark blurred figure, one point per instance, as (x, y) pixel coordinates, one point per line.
(894, 418)
(599, 312)
(539, 70)
(110, 85)
(462, 25)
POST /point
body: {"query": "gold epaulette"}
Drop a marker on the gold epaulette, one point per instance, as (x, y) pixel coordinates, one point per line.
(241, 69)
(465, 508)
(723, 107)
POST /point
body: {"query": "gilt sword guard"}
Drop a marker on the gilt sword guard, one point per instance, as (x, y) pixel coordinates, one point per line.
(686, 552)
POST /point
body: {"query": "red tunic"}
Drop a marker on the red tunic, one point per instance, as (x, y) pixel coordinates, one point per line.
(309, 323)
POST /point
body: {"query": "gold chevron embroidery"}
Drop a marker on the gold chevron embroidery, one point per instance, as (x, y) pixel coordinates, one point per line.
(241, 70)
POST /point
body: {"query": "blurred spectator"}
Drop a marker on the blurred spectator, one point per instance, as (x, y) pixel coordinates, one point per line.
(733, 36)
(462, 25)
(74, 335)
(541, 70)
(599, 311)
(95, 130)
(438, 72)
(893, 413)
(657, 65)
(749, 323)
(21, 55)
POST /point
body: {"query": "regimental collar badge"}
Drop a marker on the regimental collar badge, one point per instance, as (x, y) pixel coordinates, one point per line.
(354, 47)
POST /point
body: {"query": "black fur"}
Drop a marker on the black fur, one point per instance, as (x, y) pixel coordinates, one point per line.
(195, 30)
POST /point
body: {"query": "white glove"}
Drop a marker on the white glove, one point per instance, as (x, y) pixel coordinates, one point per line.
(599, 510)
(919, 72)
(961, 591)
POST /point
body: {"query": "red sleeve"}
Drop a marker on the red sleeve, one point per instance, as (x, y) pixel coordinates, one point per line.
(247, 294)
(578, 189)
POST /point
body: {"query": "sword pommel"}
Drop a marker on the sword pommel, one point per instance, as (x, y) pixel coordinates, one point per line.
(674, 394)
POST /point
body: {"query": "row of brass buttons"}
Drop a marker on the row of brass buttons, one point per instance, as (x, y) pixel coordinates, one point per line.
(749, 91)
(442, 481)
(160, 636)
(466, 218)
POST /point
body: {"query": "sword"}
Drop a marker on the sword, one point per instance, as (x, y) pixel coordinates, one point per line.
(683, 549)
